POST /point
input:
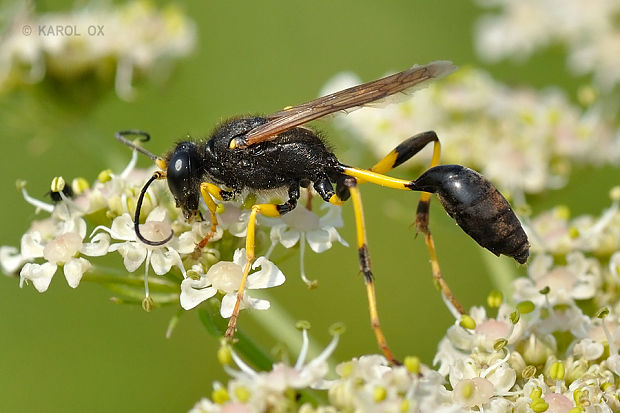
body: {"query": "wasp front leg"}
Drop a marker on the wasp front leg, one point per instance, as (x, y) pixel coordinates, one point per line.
(269, 210)
(208, 192)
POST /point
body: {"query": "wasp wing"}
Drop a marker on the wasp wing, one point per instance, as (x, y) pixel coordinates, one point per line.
(352, 97)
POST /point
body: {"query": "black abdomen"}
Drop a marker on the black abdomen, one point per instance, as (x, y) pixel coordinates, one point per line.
(478, 208)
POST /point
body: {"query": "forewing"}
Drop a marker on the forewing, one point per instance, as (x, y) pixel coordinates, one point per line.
(352, 97)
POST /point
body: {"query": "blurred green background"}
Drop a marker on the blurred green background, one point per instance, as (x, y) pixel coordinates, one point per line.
(73, 350)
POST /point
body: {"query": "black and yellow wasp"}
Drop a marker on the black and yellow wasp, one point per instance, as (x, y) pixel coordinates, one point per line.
(258, 153)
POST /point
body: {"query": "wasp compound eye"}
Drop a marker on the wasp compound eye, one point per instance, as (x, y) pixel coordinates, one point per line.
(478, 208)
(183, 177)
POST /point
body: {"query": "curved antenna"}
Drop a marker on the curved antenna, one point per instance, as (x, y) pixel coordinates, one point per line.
(136, 222)
(120, 136)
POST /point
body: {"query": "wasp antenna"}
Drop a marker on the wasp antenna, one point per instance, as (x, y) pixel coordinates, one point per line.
(144, 137)
(136, 222)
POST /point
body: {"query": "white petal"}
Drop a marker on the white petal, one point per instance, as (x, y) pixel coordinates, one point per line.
(229, 301)
(157, 214)
(276, 232)
(31, 246)
(289, 237)
(10, 259)
(319, 240)
(583, 291)
(40, 275)
(268, 276)
(186, 242)
(98, 246)
(255, 303)
(301, 219)
(228, 304)
(161, 261)
(335, 236)
(70, 222)
(234, 220)
(194, 292)
(503, 378)
(613, 362)
(589, 349)
(133, 254)
(240, 257)
(333, 216)
(74, 269)
(122, 228)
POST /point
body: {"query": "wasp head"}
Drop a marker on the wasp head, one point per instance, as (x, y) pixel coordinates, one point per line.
(184, 172)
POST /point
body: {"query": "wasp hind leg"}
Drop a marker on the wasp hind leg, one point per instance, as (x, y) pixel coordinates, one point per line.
(364, 261)
(270, 210)
(397, 156)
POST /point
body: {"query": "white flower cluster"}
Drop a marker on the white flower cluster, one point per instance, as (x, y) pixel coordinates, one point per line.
(550, 351)
(590, 33)
(61, 241)
(578, 258)
(130, 40)
(523, 140)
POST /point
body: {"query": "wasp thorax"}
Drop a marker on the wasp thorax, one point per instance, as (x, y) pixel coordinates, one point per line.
(183, 176)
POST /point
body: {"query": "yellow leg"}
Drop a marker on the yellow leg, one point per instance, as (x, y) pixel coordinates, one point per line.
(211, 189)
(400, 154)
(208, 190)
(421, 222)
(270, 210)
(364, 258)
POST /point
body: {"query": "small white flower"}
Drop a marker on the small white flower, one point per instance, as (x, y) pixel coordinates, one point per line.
(254, 391)
(302, 225)
(134, 252)
(579, 279)
(10, 259)
(195, 291)
(59, 241)
(40, 275)
(588, 349)
(474, 392)
(226, 276)
(234, 220)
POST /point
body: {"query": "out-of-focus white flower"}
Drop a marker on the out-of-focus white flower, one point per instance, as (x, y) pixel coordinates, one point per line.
(226, 276)
(127, 41)
(579, 279)
(254, 391)
(591, 35)
(554, 232)
(521, 139)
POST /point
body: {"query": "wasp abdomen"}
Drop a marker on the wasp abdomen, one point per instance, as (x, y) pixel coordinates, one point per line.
(478, 208)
